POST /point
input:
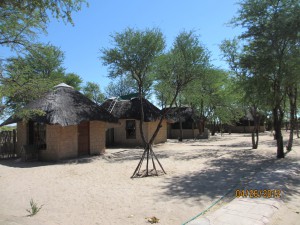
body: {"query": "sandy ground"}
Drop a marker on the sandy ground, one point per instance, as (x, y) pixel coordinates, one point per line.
(98, 190)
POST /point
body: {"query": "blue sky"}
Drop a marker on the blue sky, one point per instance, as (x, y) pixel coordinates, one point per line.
(94, 25)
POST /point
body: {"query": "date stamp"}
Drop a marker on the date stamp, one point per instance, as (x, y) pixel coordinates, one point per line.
(258, 193)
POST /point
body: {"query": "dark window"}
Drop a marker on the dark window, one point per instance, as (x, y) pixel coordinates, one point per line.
(37, 135)
(130, 129)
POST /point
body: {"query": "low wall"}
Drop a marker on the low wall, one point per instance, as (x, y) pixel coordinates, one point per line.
(244, 129)
(186, 133)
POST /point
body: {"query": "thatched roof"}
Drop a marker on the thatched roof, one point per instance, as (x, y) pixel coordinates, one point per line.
(130, 109)
(186, 114)
(65, 106)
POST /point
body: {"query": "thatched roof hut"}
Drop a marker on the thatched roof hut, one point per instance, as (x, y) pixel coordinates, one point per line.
(189, 122)
(130, 109)
(128, 113)
(71, 125)
(65, 106)
(186, 114)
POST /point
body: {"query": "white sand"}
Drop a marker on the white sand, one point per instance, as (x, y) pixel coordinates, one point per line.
(98, 190)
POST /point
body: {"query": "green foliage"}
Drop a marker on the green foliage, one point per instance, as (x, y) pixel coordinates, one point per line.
(187, 61)
(45, 61)
(7, 128)
(253, 89)
(28, 114)
(93, 92)
(266, 61)
(27, 78)
(21, 21)
(73, 80)
(34, 208)
(134, 53)
(214, 96)
(122, 85)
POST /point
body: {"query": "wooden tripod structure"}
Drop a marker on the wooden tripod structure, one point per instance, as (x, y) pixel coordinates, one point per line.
(149, 155)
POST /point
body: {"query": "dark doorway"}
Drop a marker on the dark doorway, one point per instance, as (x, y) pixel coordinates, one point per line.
(110, 138)
(37, 135)
(84, 138)
(130, 129)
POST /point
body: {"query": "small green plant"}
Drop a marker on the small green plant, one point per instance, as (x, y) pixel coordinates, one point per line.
(34, 208)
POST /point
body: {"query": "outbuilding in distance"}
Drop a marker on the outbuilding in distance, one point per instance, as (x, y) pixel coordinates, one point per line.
(72, 125)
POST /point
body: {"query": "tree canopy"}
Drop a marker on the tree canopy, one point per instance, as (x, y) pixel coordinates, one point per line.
(92, 91)
(27, 78)
(37, 67)
(270, 39)
(21, 21)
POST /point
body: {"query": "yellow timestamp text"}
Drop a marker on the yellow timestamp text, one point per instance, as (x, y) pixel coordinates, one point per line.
(258, 193)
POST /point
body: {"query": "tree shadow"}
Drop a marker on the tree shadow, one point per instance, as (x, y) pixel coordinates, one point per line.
(223, 174)
(196, 154)
(133, 154)
(236, 145)
(18, 163)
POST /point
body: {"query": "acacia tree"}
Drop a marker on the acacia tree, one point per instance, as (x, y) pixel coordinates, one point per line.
(213, 98)
(73, 80)
(292, 86)
(134, 53)
(255, 96)
(124, 85)
(137, 52)
(20, 24)
(92, 91)
(271, 31)
(21, 21)
(186, 62)
(27, 78)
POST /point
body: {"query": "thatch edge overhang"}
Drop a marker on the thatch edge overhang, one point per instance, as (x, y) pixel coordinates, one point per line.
(173, 114)
(65, 106)
(130, 109)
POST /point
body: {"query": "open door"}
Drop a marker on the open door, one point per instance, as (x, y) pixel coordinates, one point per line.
(84, 138)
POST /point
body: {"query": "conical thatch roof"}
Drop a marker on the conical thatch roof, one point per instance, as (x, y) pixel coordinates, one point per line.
(186, 114)
(130, 109)
(65, 106)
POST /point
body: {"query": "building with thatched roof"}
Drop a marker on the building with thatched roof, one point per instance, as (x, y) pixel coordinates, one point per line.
(128, 113)
(190, 123)
(70, 125)
(246, 124)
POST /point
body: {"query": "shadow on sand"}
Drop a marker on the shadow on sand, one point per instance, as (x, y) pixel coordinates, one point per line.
(17, 163)
(130, 154)
(221, 175)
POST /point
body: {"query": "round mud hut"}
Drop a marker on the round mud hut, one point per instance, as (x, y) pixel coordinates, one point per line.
(65, 124)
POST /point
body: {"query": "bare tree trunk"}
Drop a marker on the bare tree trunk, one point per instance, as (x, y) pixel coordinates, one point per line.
(180, 138)
(180, 130)
(148, 151)
(201, 120)
(255, 131)
(293, 109)
(221, 128)
(278, 116)
(213, 128)
(193, 130)
(297, 126)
